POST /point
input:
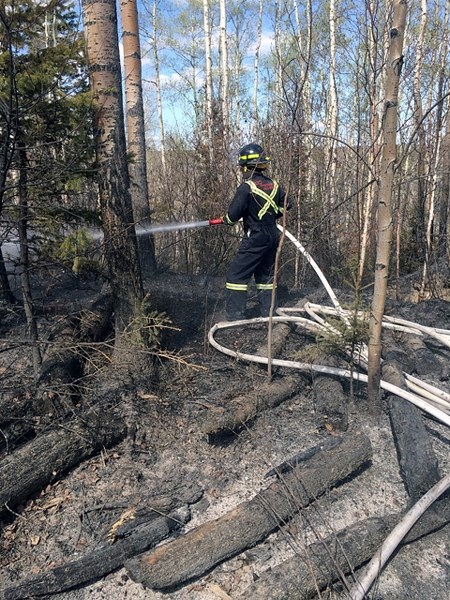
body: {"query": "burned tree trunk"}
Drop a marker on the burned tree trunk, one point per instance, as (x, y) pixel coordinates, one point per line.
(201, 549)
(330, 400)
(418, 463)
(240, 410)
(325, 561)
(48, 456)
(102, 561)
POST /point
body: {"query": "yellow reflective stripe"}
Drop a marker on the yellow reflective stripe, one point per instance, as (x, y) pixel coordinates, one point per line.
(237, 287)
(264, 286)
(250, 156)
(228, 221)
(269, 199)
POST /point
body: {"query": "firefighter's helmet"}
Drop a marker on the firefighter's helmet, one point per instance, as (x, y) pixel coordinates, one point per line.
(253, 155)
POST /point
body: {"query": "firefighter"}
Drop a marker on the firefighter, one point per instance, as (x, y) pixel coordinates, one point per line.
(259, 201)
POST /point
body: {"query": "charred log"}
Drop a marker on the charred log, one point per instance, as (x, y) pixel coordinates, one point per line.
(327, 560)
(418, 464)
(202, 548)
(240, 410)
(425, 361)
(143, 535)
(48, 456)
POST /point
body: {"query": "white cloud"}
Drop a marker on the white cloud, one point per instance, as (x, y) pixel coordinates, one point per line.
(266, 44)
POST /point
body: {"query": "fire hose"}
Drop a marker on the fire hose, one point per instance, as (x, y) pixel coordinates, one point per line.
(427, 397)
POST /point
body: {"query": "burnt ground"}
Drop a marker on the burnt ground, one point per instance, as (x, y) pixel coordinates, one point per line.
(171, 456)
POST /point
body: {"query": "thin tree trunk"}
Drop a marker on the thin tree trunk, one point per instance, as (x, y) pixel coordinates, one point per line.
(445, 192)
(373, 158)
(256, 72)
(421, 153)
(162, 136)
(389, 155)
(27, 295)
(208, 79)
(332, 125)
(224, 70)
(7, 112)
(100, 24)
(136, 129)
(445, 167)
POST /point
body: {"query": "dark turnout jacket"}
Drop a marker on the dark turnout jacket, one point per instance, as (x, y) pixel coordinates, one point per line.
(258, 201)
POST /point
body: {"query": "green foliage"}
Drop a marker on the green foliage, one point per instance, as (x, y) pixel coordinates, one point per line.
(338, 338)
(148, 325)
(76, 251)
(45, 102)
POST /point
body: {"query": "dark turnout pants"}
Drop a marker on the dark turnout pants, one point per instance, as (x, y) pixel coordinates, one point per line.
(255, 257)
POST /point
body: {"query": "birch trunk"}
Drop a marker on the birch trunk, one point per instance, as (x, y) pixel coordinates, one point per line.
(224, 70)
(136, 128)
(162, 136)
(421, 152)
(389, 156)
(445, 192)
(208, 116)
(445, 146)
(256, 72)
(332, 117)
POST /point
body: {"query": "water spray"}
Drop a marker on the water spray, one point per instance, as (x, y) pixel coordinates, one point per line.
(143, 229)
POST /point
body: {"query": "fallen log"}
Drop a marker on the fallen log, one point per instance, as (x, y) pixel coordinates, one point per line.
(330, 403)
(45, 458)
(418, 463)
(330, 400)
(280, 332)
(102, 561)
(202, 548)
(240, 410)
(425, 362)
(325, 561)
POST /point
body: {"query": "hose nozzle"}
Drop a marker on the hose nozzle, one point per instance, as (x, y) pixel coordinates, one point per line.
(216, 221)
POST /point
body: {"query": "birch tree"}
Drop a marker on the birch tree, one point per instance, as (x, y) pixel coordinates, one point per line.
(373, 154)
(421, 142)
(136, 128)
(384, 223)
(208, 114)
(223, 43)
(255, 111)
(154, 43)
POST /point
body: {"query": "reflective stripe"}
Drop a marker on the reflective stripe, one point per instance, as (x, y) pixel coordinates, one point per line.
(228, 221)
(270, 202)
(250, 156)
(264, 286)
(236, 287)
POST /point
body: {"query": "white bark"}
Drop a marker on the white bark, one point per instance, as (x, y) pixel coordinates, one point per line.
(208, 77)
(224, 69)
(154, 41)
(256, 72)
